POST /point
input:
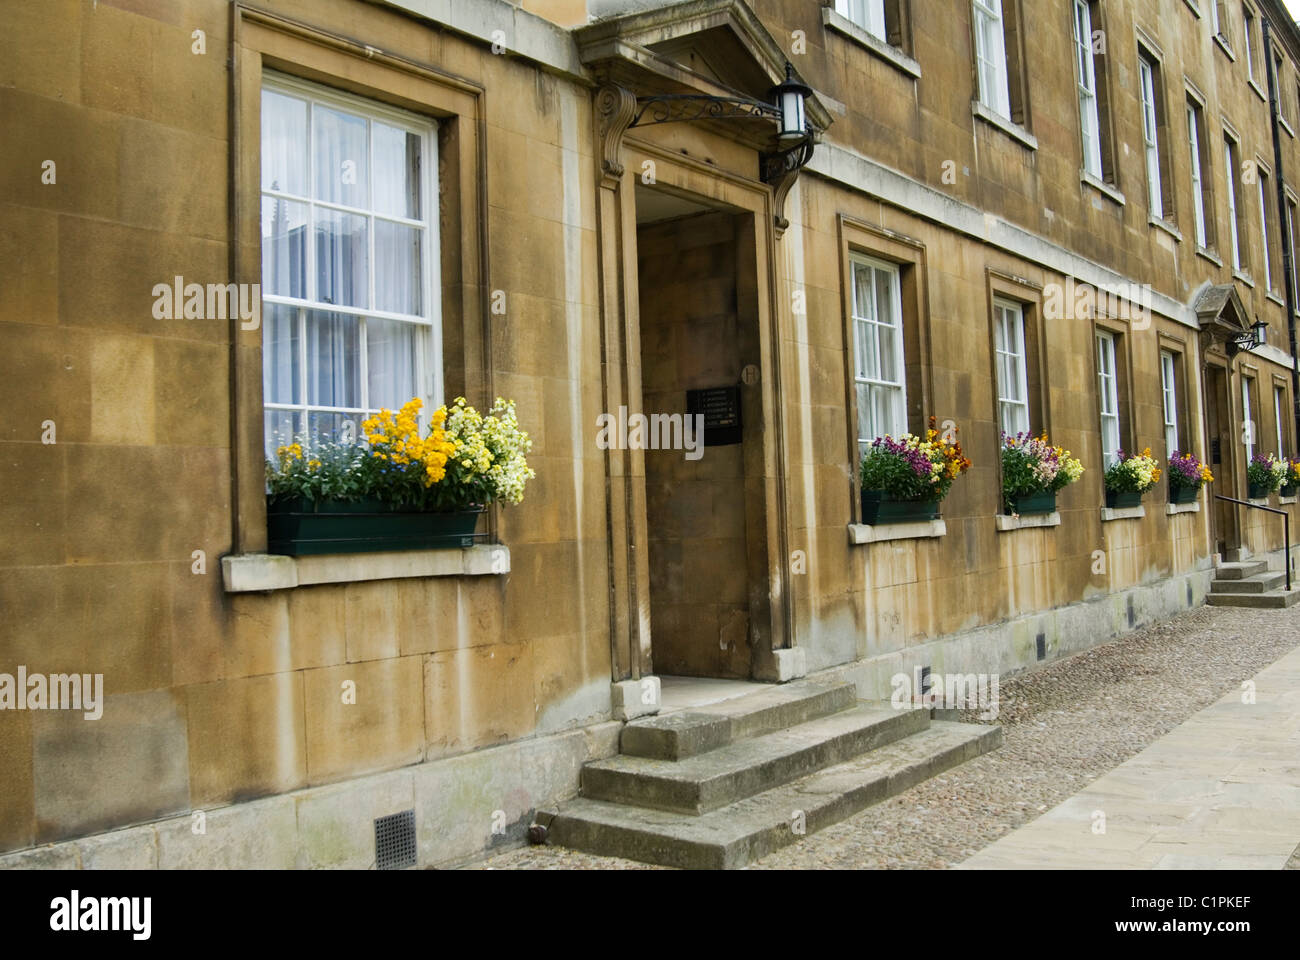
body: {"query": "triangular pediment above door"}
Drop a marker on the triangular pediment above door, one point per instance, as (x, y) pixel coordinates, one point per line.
(704, 47)
(1221, 314)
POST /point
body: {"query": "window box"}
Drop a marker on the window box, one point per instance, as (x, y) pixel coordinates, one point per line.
(300, 527)
(879, 507)
(1258, 491)
(1288, 490)
(1183, 494)
(1042, 502)
(1119, 499)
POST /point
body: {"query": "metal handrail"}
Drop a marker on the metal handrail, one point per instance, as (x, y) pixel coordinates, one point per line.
(1286, 529)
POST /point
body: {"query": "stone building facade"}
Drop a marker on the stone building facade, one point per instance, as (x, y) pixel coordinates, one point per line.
(975, 163)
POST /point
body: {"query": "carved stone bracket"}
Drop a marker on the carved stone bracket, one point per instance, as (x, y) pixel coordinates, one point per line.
(780, 171)
(615, 108)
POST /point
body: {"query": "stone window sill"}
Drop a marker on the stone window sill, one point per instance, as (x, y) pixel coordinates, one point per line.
(1122, 513)
(890, 54)
(1012, 129)
(1258, 92)
(1285, 124)
(860, 533)
(1285, 500)
(1210, 255)
(1243, 277)
(1167, 227)
(258, 572)
(1191, 5)
(1102, 187)
(1008, 522)
(1276, 298)
(1258, 501)
(1223, 45)
(1193, 507)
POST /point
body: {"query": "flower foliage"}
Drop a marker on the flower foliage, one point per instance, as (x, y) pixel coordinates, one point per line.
(1292, 473)
(1186, 471)
(911, 468)
(465, 460)
(1267, 471)
(1031, 465)
(1136, 474)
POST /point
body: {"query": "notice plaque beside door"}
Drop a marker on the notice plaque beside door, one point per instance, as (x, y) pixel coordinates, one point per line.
(720, 407)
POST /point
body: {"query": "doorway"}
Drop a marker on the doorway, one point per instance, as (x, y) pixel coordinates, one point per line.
(705, 511)
(1225, 532)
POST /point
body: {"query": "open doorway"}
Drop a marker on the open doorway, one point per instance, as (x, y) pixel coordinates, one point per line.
(1221, 450)
(705, 508)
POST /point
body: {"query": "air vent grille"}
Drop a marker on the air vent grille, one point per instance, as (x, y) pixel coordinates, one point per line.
(395, 841)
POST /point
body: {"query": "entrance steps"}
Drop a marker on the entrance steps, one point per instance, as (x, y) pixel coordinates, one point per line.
(717, 787)
(1243, 582)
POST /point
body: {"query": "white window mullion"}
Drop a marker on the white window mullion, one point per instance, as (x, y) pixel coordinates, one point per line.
(1149, 138)
(1263, 226)
(1231, 178)
(1198, 196)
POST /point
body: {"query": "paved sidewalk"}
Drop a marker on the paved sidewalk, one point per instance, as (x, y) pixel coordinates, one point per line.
(1221, 790)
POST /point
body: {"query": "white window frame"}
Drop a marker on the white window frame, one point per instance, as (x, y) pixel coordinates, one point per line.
(428, 348)
(1108, 398)
(1150, 135)
(1248, 18)
(1216, 29)
(1085, 78)
(1231, 178)
(1278, 407)
(1011, 367)
(1261, 179)
(1247, 420)
(1169, 396)
(991, 56)
(866, 323)
(1198, 187)
(867, 14)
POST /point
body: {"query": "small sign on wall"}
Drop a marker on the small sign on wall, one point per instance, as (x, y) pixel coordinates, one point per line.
(720, 407)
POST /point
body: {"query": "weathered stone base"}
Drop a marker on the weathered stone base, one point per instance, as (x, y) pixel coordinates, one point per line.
(463, 806)
(472, 804)
(1011, 646)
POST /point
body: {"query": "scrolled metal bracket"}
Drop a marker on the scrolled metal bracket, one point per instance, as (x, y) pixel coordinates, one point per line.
(673, 107)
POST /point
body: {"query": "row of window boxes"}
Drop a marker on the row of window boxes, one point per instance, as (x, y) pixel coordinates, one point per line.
(879, 508)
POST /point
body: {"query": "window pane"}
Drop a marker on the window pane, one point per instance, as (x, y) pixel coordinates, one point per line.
(885, 315)
(335, 426)
(341, 252)
(333, 359)
(284, 248)
(284, 143)
(280, 354)
(397, 171)
(339, 156)
(866, 418)
(390, 352)
(397, 267)
(282, 428)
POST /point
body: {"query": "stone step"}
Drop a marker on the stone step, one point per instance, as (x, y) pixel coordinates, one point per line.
(1271, 599)
(1239, 571)
(735, 835)
(722, 776)
(676, 736)
(1260, 583)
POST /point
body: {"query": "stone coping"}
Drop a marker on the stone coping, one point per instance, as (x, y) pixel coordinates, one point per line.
(890, 54)
(253, 572)
(1017, 521)
(1284, 500)
(860, 533)
(1193, 507)
(1008, 126)
(1123, 513)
